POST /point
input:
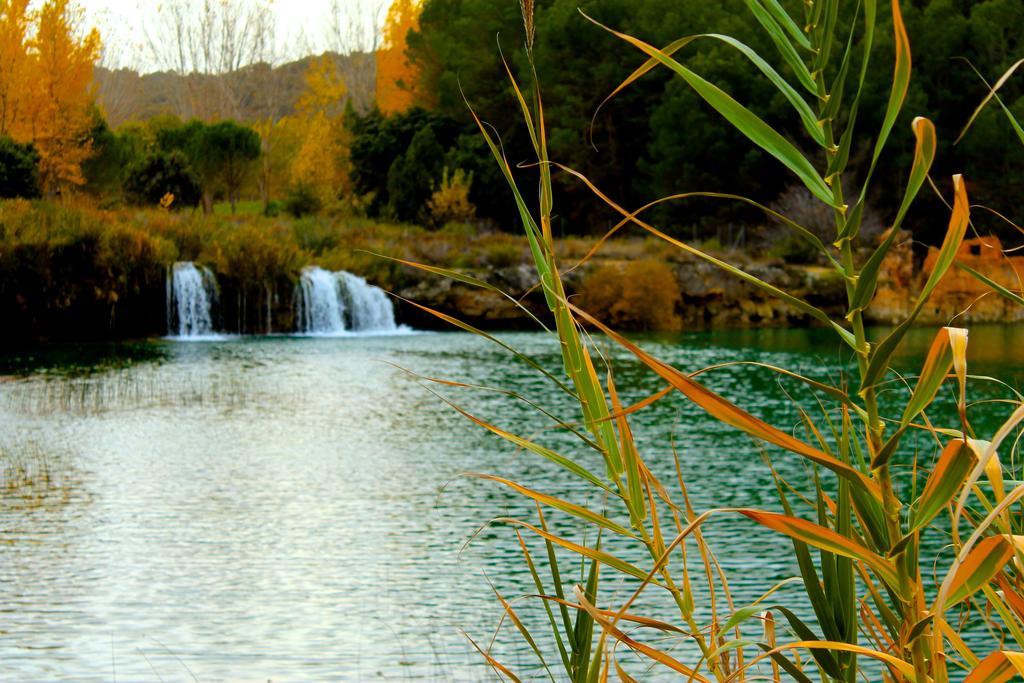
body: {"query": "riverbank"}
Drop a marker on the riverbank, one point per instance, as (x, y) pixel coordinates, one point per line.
(78, 273)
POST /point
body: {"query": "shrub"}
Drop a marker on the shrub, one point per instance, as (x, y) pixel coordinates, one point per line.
(272, 209)
(460, 229)
(161, 174)
(315, 235)
(450, 202)
(302, 201)
(19, 170)
(639, 295)
(502, 254)
(800, 206)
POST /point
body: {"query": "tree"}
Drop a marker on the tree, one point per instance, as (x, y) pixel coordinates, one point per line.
(413, 177)
(221, 155)
(214, 44)
(105, 169)
(379, 142)
(14, 63)
(187, 139)
(228, 151)
(19, 170)
(60, 110)
(354, 30)
(162, 174)
(46, 67)
(319, 168)
(398, 77)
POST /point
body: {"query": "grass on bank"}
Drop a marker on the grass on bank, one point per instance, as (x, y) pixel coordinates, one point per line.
(72, 270)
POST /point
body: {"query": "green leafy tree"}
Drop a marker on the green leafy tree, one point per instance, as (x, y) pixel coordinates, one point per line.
(657, 138)
(161, 174)
(412, 177)
(221, 155)
(188, 141)
(19, 170)
(379, 141)
(228, 153)
(113, 155)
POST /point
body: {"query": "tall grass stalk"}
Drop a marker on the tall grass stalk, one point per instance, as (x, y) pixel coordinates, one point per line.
(857, 539)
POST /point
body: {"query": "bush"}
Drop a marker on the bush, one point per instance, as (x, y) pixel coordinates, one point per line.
(19, 170)
(272, 209)
(502, 254)
(161, 174)
(303, 201)
(800, 206)
(450, 203)
(315, 235)
(639, 295)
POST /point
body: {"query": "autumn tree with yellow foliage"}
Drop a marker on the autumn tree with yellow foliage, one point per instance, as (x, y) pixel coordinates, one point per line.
(319, 166)
(397, 78)
(46, 72)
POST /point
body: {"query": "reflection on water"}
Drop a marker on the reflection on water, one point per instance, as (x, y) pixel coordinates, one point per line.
(291, 509)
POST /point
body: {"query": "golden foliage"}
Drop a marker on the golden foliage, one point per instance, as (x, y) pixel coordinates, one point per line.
(397, 78)
(320, 166)
(46, 71)
(14, 62)
(450, 202)
(317, 166)
(326, 89)
(638, 295)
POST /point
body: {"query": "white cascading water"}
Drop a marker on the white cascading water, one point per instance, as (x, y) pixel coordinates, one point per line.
(320, 308)
(191, 291)
(370, 309)
(338, 303)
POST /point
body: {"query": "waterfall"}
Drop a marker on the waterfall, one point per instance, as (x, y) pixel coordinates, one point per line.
(191, 293)
(370, 309)
(320, 309)
(337, 303)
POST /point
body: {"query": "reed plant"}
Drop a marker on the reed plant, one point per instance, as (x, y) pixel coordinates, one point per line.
(874, 612)
(1015, 296)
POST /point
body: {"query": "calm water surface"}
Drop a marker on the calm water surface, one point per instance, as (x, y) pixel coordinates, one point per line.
(293, 509)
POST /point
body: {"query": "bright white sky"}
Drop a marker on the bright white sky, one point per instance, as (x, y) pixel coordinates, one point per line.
(302, 25)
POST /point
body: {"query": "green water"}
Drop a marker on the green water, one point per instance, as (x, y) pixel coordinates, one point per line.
(292, 509)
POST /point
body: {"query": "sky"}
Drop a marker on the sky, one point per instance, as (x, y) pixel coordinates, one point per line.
(301, 25)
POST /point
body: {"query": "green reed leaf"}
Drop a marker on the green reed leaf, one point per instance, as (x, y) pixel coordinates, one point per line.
(951, 470)
(924, 156)
(769, 22)
(958, 223)
(744, 120)
(803, 110)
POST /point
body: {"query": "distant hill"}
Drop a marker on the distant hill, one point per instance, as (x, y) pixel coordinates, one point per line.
(255, 92)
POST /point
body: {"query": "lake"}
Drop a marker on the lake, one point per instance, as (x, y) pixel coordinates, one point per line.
(292, 508)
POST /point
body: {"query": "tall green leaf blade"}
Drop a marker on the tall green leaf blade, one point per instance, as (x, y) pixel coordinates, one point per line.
(995, 286)
(803, 110)
(744, 120)
(944, 483)
(787, 22)
(924, 156)
(897, 96)
(784, 45)
(992, 94)
(954, 237)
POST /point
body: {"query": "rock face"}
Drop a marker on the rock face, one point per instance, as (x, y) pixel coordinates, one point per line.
(959, 294)
(709, 296)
